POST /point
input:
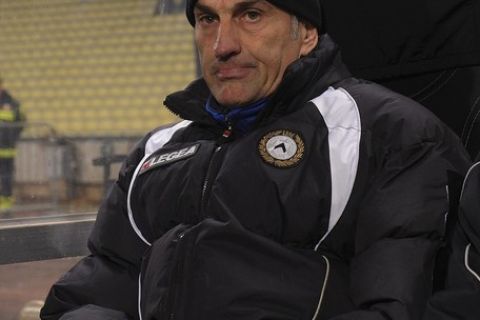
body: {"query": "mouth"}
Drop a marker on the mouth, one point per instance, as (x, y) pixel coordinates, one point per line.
(232, 72)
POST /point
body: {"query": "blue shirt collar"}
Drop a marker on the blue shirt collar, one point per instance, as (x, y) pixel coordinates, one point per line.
(241, 119)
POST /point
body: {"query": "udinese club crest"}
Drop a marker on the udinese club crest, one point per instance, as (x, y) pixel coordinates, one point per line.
(281, 148)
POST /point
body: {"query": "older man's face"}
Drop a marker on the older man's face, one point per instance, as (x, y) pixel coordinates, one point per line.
(245, 47)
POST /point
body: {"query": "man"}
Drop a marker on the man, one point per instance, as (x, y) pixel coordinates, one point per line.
(9, 134)
(290, 190)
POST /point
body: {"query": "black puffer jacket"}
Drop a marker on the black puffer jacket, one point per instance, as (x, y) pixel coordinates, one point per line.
(334, 164)
(460, 296)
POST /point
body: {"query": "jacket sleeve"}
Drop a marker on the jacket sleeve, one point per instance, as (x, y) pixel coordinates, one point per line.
(105, 283)
(399, 229)
(93, 312)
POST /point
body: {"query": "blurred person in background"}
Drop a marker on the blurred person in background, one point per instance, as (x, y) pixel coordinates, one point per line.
(10, 129)
(290, 190)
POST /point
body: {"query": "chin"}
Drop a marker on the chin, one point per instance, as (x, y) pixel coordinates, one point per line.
(233, 99)
(232, 102)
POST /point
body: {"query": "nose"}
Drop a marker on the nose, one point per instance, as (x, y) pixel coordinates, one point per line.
(227, 43)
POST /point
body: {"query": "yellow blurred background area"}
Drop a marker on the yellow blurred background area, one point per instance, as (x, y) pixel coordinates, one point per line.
(94, 67)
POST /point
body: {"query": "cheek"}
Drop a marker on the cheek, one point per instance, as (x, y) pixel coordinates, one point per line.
(277, 56)
(203, 48)
(277, 49)
(267, 52)
(205, 60)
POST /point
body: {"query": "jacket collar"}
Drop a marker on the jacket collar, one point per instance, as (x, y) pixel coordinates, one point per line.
(304, 79)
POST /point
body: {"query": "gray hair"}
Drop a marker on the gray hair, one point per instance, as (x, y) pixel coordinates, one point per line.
(294, 32)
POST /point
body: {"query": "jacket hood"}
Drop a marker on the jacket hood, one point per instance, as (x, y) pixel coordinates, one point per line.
(302, 81)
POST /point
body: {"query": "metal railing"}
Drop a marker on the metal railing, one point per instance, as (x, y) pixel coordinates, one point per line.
(44, 237)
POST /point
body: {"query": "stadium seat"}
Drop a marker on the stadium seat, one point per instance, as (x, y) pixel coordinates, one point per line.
(96, 55)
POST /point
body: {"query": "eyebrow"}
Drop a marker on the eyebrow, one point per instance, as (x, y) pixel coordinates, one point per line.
(241, 6)
(203, 8)
(238, 6)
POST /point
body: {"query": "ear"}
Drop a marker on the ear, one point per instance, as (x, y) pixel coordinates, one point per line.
(309, 38)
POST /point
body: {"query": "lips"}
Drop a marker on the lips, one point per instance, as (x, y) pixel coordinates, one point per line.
(232, 72)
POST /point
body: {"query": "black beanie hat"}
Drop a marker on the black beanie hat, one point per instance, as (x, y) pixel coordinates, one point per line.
(308, 10)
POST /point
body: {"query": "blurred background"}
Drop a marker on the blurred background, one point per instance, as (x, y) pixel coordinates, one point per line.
(90, 77)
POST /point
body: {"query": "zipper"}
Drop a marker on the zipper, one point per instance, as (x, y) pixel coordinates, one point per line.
(324, 286)
(213, 167)
(176, 277)
(467, 265)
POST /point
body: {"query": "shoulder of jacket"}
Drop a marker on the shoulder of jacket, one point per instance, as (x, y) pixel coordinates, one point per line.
(392, 117)
(158, 137)
(148, 144)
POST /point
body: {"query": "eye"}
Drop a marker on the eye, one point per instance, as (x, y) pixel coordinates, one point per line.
(252, 15)
(206, 19)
